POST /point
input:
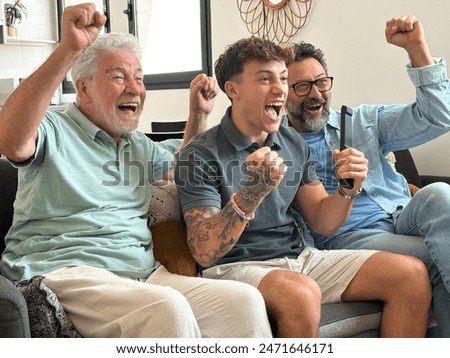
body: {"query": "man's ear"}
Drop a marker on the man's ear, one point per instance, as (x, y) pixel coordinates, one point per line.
(81, 87)
(231, 90)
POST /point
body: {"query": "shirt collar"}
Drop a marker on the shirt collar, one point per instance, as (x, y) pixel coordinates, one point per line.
(238, 141)
(334, 119)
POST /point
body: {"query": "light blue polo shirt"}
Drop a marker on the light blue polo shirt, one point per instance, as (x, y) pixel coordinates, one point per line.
(83, 200)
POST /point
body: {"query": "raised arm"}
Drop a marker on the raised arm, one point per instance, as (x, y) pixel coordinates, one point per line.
(212, 232)
(407, 32)
(25, 107)
(202, 95)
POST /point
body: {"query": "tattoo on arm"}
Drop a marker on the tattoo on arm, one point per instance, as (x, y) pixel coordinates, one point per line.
(212, 232)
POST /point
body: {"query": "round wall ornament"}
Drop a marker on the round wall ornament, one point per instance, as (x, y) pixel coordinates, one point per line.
(275, 20)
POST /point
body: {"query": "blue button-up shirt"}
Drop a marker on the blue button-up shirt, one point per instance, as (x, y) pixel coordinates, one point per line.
(377, 130)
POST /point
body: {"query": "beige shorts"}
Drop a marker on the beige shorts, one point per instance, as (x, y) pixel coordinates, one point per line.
(331, 269)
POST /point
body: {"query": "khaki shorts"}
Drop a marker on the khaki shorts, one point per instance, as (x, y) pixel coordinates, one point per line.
(331, 269)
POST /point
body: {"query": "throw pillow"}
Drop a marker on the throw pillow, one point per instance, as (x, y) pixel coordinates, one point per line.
(164, 204)
(171, 249)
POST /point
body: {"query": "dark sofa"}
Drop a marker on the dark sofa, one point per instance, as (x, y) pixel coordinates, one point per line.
(356, 319)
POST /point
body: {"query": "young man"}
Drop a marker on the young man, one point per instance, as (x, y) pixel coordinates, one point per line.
(384, 216)
(84, 190)
(236, 182)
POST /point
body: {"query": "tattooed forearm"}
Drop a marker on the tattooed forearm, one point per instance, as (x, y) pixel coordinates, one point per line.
(212, 232)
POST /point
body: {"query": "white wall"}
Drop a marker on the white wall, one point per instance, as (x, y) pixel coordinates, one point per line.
(365, 67)
(351, 33)
(20, 61)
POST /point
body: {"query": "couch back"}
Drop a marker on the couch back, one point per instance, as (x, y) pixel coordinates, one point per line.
(8, 188)
(405, 165)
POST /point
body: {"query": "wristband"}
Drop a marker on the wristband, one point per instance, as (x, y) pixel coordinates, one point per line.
(348, 196)
(238, 210)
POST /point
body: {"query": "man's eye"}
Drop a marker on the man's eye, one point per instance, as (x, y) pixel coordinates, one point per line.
(302, 85)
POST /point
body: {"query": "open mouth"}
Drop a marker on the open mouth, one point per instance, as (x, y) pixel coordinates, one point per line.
(274, 109)
(314, 108)
(128, 107)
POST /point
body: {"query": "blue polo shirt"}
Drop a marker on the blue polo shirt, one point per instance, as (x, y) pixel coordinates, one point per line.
(83, 200)
(212, 166)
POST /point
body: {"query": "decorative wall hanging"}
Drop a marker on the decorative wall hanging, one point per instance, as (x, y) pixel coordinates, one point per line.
(275, 20)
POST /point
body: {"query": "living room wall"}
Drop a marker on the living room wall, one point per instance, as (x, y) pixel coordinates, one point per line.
(365, 67)
(351, 33)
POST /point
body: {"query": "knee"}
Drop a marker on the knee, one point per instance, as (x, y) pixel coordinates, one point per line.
(305, 307)
(170, 304)
(173, 315)
(436, 193)
(414, 278)
(250, 297)
(239, 295)
(309, 292)
(299, 296)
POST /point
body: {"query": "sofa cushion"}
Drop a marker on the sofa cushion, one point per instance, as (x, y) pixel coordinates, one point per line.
(351, 319)
(171, 249)
(164, 204)
(168, 232)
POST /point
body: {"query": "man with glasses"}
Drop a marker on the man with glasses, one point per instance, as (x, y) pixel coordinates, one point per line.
(383, 216)
(236, 182)
(303, 88)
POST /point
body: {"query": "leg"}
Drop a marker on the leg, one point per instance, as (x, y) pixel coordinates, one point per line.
(402, 283)
(101, 304)
(223, 308)
(427, 215)
(293, 301)
(385, 239)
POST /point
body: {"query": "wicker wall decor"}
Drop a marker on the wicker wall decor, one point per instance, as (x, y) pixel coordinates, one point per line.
(275, 20)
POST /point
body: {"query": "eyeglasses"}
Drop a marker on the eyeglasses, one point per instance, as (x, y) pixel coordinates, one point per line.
(303, 88)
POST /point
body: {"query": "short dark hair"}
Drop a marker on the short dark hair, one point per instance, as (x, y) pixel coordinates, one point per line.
(302, 50)
(231, 62)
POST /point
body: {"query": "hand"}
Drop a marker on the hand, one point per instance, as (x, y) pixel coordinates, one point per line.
(407, 32)
(265, 170)
(81, 25)
(351, 164)
(404, 31)
(203, 91)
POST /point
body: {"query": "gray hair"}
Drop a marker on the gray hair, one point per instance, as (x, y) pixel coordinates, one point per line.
(302, 51)
(86, 66)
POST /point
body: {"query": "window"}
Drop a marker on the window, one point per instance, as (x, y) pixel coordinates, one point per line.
(174, 35)
(175, 38)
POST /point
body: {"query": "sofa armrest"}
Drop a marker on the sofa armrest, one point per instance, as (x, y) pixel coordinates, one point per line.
(14, 321)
